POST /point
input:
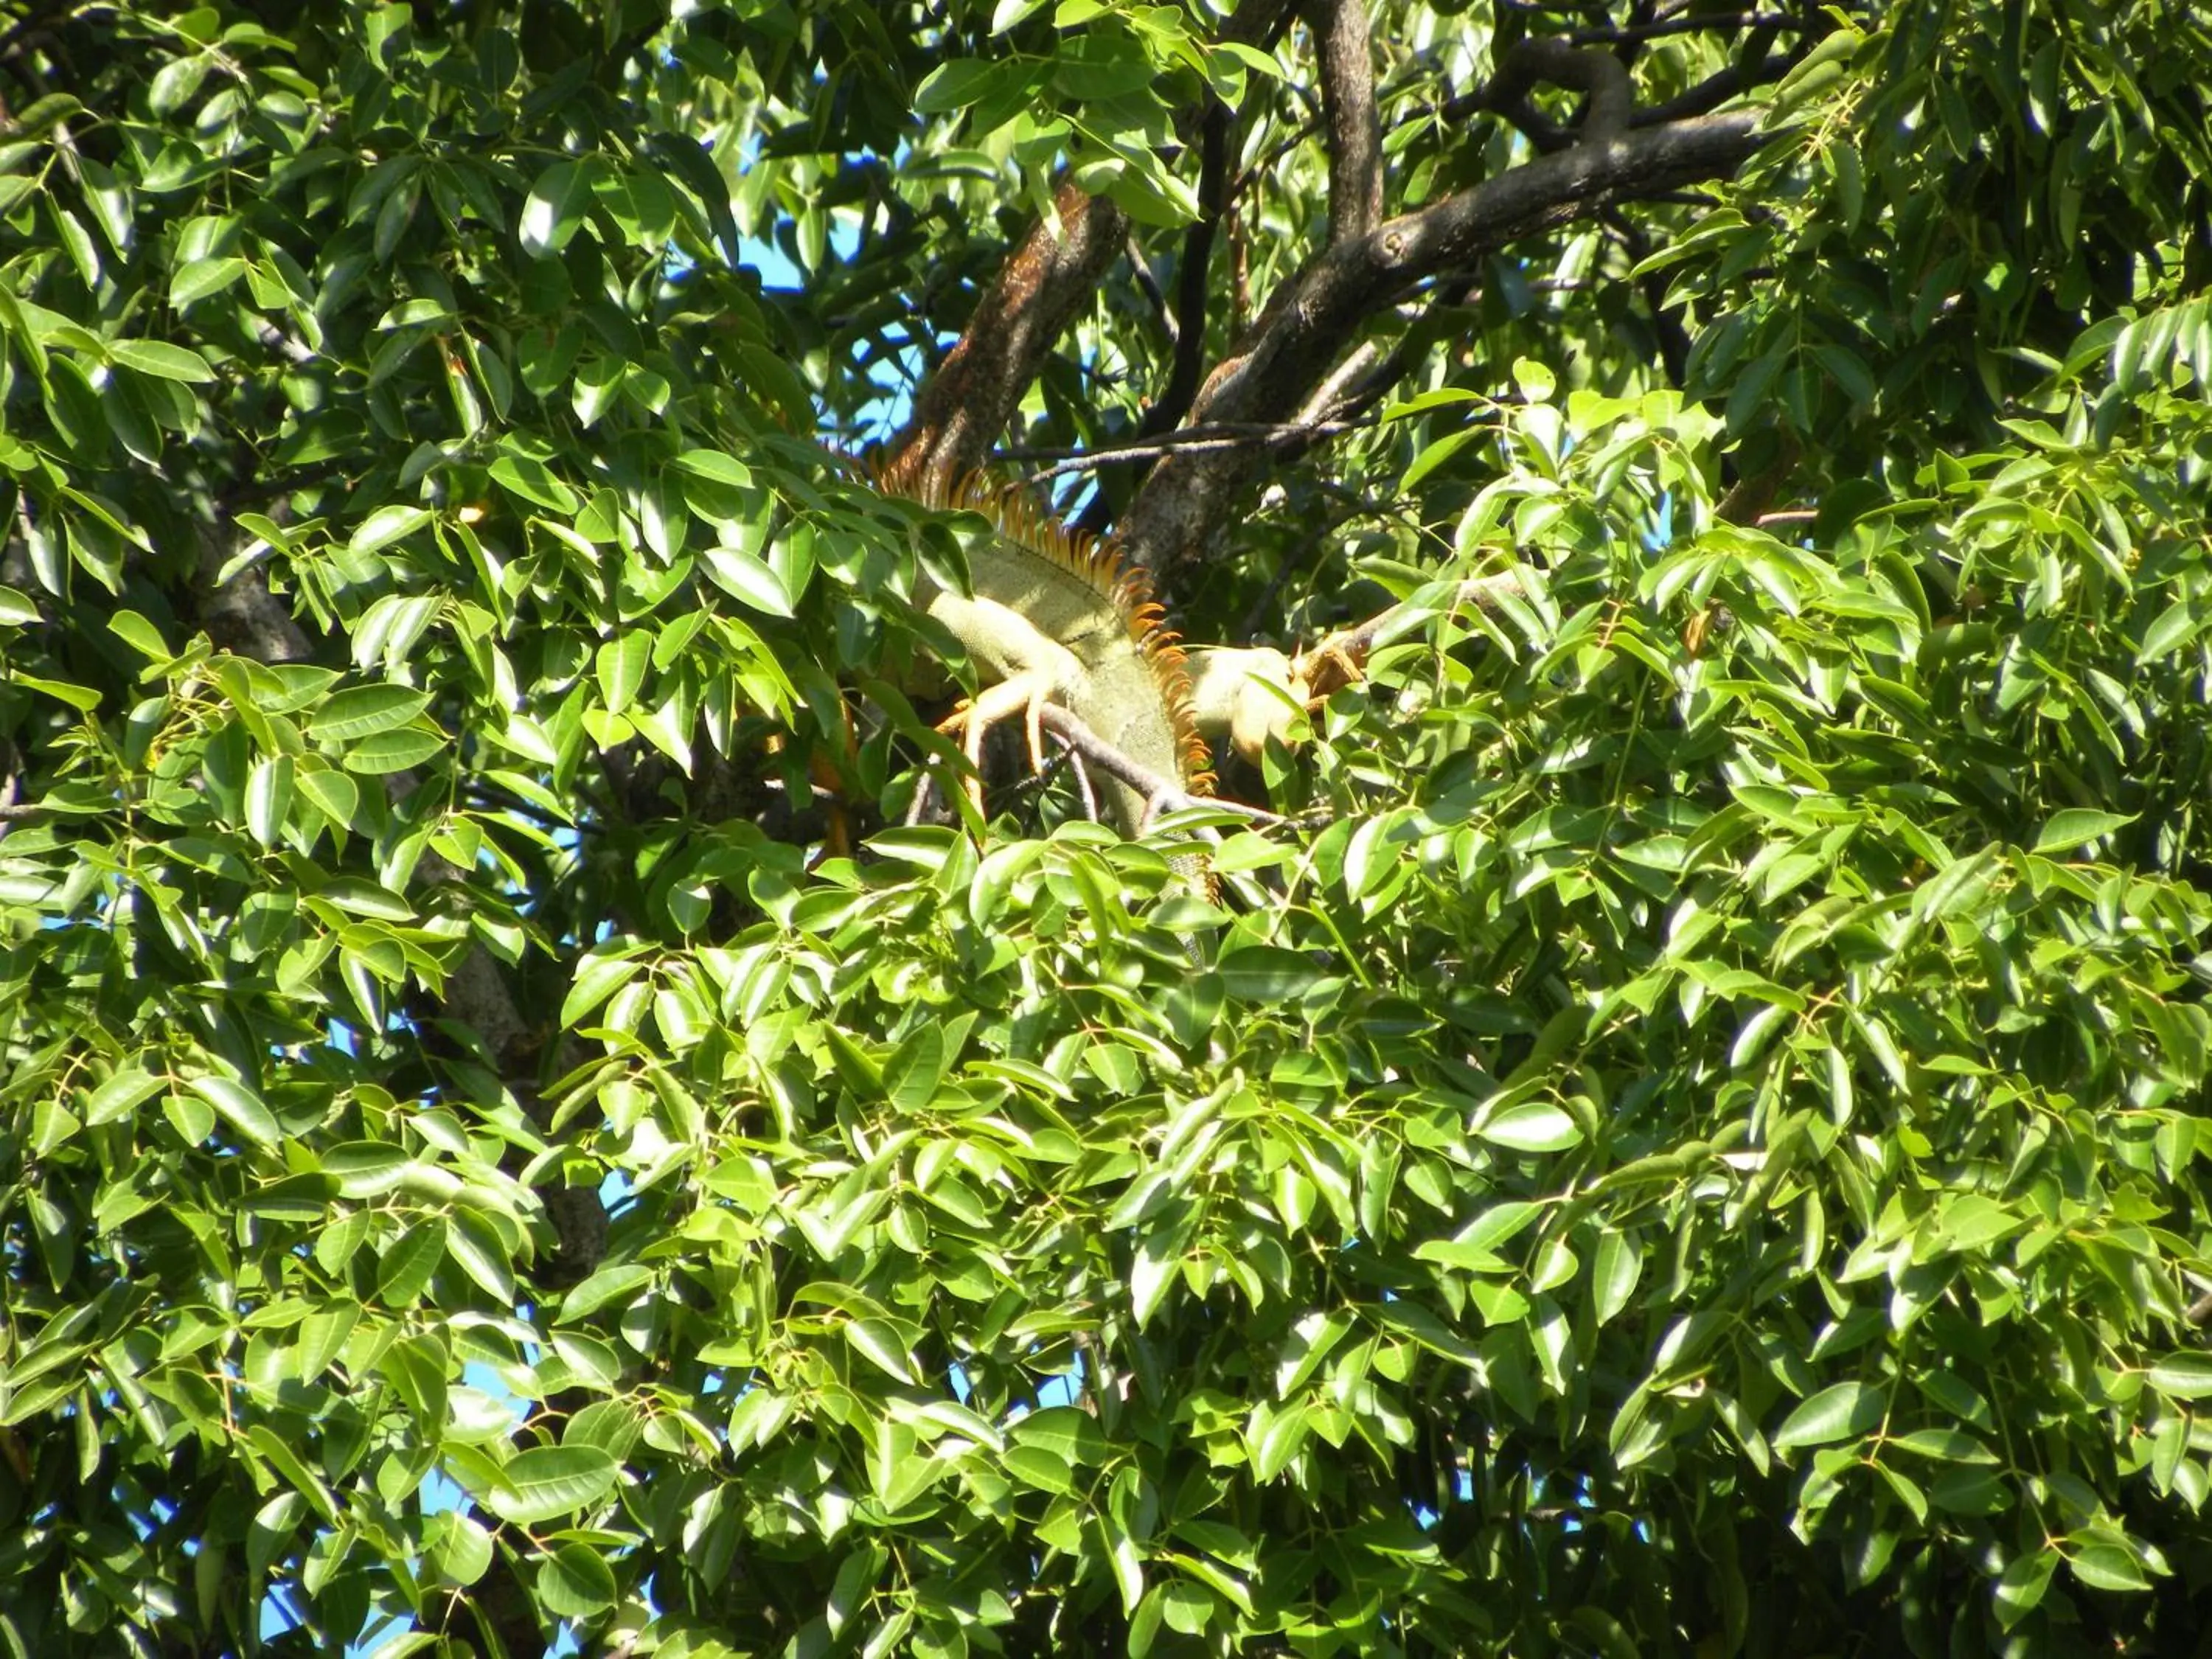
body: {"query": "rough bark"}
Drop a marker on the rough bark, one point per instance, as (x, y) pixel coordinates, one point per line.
(966, 403)
(1355, 133)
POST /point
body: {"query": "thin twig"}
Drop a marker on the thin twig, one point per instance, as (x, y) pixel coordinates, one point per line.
(1149, 285)
(1616, 34)
(1218, 434)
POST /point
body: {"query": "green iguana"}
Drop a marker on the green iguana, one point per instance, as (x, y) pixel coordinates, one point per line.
(1057, 620)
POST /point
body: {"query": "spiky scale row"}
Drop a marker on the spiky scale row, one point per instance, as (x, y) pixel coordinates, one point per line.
(1017, 519)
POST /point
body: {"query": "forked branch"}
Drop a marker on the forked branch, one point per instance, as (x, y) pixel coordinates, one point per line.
(1316, 315)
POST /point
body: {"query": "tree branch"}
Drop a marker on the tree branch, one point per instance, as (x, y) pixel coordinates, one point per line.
(1249, 434)
(1757, 67)
(1311, 320)
(1355, 133)
(1149, 285)
(1531, 63)
(1697, 23)
(240, 613)
(964, 406)
(1161, 794)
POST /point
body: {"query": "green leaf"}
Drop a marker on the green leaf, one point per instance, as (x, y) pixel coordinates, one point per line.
(2021, 1587)
(1477, 1244)
(621, 664)
(82, 698)
(2184, 1375)
(336, 796)
(914, 1070)
(2107, 1567)
(598, 978)
(240, 1107)
(363, 710)
(464, 1551)
(954, 85)
(2173, 627)
(175, 82)
(269, 798)
(614, 1283)
(531, 480)
(393, 752)
(162, 360)
(713, 465)
(575, 1582)
(385, 525)
(556, 207)
(1951, 1445)
(2077, 826)
(1841, 1411)
(119, 1096)
(203, 278)
(1534, 1126)
(880, 1343)
(403, 1274)
(1068, 1434)
(140, 634)
(1615, 1270)
(366, 1168)
(474, 1243)
(747, 577)
(547, 1482)
(1267, 973)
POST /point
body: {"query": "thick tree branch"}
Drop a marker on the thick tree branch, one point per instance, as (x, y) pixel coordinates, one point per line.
(966, 403)
(1355, 133)
(239, 612)
(1189, 326)
(1190, 274)
(1604, 78)
(1309, 323)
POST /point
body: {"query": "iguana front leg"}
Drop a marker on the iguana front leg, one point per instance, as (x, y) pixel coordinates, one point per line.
(1244, 693)
(1023, 671)
(1247, 693)
(1027, 694)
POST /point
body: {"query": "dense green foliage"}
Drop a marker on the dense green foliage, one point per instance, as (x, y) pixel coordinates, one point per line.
(1697, 1146)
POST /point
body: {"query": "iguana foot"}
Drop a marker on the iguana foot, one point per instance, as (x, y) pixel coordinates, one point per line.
(1328, 667)
(1025, 693)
